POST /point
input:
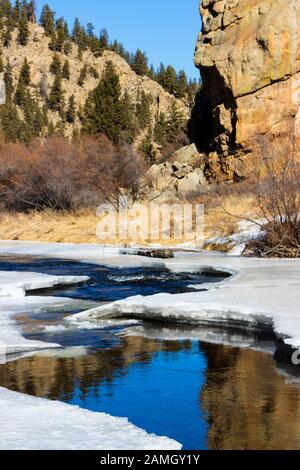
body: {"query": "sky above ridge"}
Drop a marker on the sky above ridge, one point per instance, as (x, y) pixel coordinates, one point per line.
(165, 29)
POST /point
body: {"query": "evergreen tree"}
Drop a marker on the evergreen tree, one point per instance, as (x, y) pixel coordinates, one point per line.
(55, 67)
(56, 97)
(140, 63)
(143, 110)
(93, 72)
(103, 40)
(175, 121)
(25, 72)
(66, 70)
(47, 21)
(16, 11)
(67, 47)
(160, 133)
(11, 124)
(8, 80)
(147, 147)
(105, 111)
(82, 75)
(128, 125)
(23, 36)
(182, 84)
(170, 80)
(71, 110)
(31, 11)
(7, 34)
(21, 95)
(90, 30)
(60, 36)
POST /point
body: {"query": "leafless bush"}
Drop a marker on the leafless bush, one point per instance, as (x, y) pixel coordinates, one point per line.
(274, 189)
(62, 175)
(277, 194)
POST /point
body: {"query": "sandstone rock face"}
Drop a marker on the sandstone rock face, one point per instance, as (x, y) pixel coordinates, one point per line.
(249, 57)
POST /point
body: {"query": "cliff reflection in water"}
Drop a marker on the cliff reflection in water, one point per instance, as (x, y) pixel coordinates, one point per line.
(249, 403)
(240, 400)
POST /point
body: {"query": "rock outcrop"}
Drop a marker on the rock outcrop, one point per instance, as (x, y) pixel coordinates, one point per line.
(178, 180)
(248, 55)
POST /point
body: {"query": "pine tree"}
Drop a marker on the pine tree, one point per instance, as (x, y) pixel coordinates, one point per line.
(143, 109)
(55, 67)
(56, 97)
(23, 36)
(160, 133)
(25, 72)
(31, 11)
(82, 75)
(147, 147)
(16, 12)
(140, 63)
(175, 121)
(128, 125)
(170, 80)
(21, 95)
(71, 110)
(182, 84)
(47, 21)
(66, 70)
(104, 108)
(103, 40)
(7, 34)
(60, 36)
(8, 80)
(12, 126)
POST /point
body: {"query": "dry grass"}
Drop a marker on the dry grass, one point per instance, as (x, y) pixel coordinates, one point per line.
(49, 226)
(79, 226)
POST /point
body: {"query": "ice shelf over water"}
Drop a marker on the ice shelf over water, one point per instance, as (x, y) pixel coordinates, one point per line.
(31, 423)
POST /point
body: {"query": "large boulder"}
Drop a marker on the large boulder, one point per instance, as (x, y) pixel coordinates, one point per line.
(249, 57)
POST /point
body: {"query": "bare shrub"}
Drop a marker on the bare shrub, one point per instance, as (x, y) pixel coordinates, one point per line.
(62, 175)
(274, 189)
(277, 193)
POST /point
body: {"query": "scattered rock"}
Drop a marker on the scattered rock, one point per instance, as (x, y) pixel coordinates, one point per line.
(161, 253)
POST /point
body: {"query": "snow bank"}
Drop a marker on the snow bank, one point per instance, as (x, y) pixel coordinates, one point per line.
(13, 300)
(15, 284)
(30, 423)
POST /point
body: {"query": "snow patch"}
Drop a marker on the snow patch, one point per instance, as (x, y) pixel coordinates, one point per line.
(30, 423)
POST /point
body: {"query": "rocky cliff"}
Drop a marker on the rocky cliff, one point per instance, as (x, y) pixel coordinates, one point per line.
(248, 56)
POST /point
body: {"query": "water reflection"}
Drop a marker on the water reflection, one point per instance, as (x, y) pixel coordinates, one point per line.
(249, 404)
(204, 395)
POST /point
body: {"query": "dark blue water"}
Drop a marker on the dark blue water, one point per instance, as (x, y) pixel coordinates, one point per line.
(110, 284)
(205, 396)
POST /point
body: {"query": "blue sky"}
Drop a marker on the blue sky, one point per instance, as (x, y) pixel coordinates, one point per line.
(165, 29)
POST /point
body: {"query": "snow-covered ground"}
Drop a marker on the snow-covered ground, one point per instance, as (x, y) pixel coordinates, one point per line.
(30, 423)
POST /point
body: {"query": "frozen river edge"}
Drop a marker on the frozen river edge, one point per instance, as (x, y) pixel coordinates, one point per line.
(32, 423)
